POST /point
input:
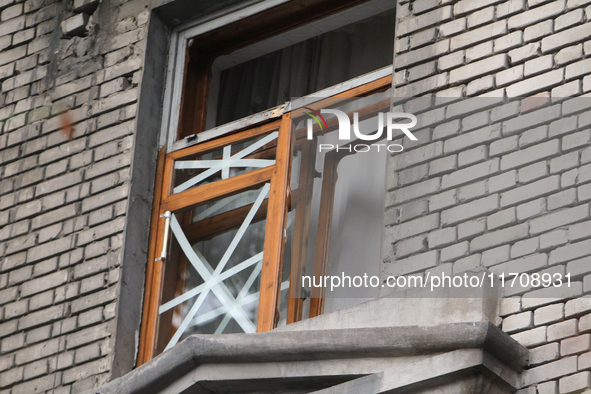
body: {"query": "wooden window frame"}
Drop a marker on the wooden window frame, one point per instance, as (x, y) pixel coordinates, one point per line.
(278, 175)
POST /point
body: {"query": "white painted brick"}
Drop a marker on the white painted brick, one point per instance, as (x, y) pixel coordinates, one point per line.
(575, 345)
(576, 3)
(535, 84)
(549, 314)
(422, 21)
(480, 34)
(414, 227)
(450, 61)
(569, 54)
(570, 251)
(585, 361)
(525, 247)
(509, 41)
(579, 231)
(536, 15)
(412, 264)
(495, 256)
(585, 323)
(469, 210)
(558, 219)
(504, 145)
(509, 76)
(587, 84)
(530, 191)
(562, 126)
(528, 263)
(538, 65)
(469, 174)
(525, 52)
(76, 25)
(412, 192)
(443, 165)
(470, 192)
(509, 306)
(531, 119)
(569, 19)
(533, 136)
(417, 156)
(481, 17)
(453, 27)
(453, 252)
(499, 237)
(577, 307)
(442, 237)
(564, 162)
(408, 212)
(577, 69)
(510, 7)
(562, 199)
(584, 192)
(475, 121)
(504, 111)
(501, 219)
(469, 263)
(531, 338)
(570, 89)
(465, 6)
(544, 354)
(472, 156)
(473, 138)
(502, 182)
(542, 29)
(442, 200)
(562, 330)
(575, 383)
(421, 71)
(576, 140)
(472, 70)
(569, 178)
(549, 371)
(519, 322)
(471, 228)
(529, 155)
(480, 85)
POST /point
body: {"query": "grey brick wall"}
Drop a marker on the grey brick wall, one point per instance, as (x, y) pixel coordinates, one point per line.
(63, 202)
(499, 184)
(506, 188)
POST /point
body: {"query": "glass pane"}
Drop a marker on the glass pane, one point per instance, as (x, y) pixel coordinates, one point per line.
(301, 61)
(342, 189)
(229, 161)
(213, 270)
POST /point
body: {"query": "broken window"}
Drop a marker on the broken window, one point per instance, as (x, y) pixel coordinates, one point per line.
(245, 203)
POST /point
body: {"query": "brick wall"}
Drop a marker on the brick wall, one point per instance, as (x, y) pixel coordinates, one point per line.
(63, 202)
(505, 188)
(500, 184)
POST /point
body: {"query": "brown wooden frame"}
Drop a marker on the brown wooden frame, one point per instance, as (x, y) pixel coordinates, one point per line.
(193, 110)
(277, 175)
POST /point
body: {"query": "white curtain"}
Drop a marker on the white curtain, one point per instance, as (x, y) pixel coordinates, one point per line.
(306, 67)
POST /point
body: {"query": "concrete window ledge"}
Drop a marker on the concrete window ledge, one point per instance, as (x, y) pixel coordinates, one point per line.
(449, 358)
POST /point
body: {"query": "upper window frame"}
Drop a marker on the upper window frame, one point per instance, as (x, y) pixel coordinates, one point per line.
(184, 34)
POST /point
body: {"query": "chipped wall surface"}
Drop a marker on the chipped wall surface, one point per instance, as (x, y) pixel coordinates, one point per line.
(64, 192)
(483, 189)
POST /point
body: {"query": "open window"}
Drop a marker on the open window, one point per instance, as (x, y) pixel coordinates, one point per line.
(241, 209)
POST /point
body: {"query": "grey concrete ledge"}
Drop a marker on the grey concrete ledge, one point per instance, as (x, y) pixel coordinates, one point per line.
(316, 345)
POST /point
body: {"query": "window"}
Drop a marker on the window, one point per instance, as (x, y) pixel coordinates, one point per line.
(241, 212)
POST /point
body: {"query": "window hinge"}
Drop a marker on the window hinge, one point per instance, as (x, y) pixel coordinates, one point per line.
(165, 215)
